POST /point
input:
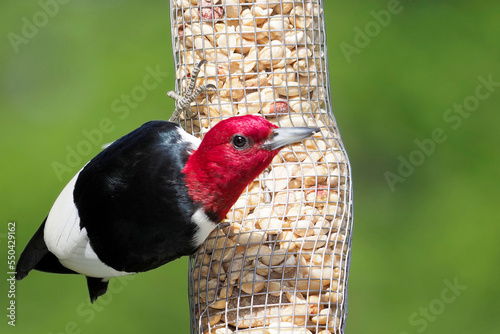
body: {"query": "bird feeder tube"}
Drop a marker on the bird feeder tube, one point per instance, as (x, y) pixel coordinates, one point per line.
(279, 262)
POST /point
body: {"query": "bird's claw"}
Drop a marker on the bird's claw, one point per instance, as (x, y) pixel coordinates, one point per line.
(183, 102)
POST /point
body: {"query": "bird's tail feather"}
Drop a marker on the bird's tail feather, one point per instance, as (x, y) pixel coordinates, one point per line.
(37, 256)
(97, 287)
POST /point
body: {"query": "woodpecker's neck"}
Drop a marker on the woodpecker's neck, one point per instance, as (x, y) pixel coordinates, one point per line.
(212, 188)
(216, 181)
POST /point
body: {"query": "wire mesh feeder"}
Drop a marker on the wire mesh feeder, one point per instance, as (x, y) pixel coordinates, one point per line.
(281, 263)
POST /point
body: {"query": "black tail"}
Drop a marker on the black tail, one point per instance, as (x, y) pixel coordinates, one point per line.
(37, 256)
(97, 287)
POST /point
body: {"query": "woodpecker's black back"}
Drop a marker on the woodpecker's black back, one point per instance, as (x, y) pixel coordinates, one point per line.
(133, 202)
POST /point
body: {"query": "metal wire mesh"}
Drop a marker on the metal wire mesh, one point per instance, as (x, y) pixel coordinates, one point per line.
(281, 263)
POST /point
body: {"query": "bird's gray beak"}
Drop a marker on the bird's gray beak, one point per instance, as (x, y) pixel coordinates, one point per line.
(286, 136)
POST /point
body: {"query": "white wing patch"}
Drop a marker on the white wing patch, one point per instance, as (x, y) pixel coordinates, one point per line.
(186, 137)
(69, 243)
(205, 226)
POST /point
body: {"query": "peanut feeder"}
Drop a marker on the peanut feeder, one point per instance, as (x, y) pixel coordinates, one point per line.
(280, 262)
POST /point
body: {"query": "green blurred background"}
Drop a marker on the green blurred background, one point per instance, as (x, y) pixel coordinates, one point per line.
(435, 226)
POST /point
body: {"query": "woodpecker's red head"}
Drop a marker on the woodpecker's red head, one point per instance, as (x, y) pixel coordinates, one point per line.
(232, 154)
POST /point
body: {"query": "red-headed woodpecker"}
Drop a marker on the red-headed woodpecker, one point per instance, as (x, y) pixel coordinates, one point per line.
(150, 197)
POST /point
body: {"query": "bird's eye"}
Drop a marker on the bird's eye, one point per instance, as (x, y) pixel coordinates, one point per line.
(240, 142)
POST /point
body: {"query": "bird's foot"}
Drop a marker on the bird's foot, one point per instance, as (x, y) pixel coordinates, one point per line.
(183, 102)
